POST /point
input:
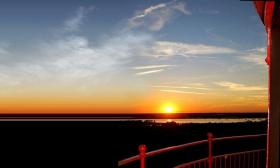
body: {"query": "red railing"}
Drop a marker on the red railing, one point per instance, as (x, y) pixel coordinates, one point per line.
(206, 162)
(246, 159)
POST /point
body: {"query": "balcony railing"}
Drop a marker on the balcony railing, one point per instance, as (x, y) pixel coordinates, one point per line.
(248, 159)
(243, 159)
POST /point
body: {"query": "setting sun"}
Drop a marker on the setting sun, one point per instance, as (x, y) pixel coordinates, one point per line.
(168, 108)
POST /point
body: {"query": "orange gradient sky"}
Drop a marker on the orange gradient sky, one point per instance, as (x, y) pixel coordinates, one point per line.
(149, 101)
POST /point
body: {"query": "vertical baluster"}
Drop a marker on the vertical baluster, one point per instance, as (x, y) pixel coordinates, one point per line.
(244, 160)
(253, 166)
(205, 165)
(189, 165)
(239, 160)
(221, 162)
(229, 161)
(258, 159)
(210, 140)
(225, 157)
(249, 159)
(215, 162)
(234, 161)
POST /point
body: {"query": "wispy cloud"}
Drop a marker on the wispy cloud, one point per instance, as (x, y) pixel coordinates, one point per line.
(149, 10)
(156, 16)
(169, 49)
(260, 49)
(262, 97)
(180, 87)
(180, 91)
(152, 66)
(189, 89)
(74, 56)
(256, 56)
(240, 87)
(74, 23)
(149, 72)
(216, 36)
(4, 48)
(5, 80)
(72, 59)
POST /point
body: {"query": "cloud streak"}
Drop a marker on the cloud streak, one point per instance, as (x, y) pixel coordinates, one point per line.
(152, 67)
(155, 17)
(180, 87)
(256, 56)
(74, 23)
(179, 91)
(239, 87)
(169, 49)
(149, 72)
(3, 49)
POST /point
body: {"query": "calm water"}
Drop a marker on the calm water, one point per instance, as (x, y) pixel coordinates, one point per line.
(212, 120)
(196, 120)
(146, 117)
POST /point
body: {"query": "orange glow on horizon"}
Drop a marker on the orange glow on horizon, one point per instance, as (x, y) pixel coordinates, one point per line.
(154, 102)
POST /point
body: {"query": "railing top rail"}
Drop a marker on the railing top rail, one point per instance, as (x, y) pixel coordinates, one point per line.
(238, 137)
(159, 151)
(128, 160)
(177, 147)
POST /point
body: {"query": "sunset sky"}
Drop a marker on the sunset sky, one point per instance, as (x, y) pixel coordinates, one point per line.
(131, 56)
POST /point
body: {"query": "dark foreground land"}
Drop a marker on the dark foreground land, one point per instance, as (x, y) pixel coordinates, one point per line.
(102, 144)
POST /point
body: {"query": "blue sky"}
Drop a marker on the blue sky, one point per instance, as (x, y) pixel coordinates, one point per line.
(130, 49)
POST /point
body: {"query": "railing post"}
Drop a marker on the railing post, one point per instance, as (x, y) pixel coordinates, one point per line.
(142, 155)
(210, 156)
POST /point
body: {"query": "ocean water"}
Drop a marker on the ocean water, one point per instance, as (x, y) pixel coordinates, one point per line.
(212, 120)
(196, 120)
(147, 117)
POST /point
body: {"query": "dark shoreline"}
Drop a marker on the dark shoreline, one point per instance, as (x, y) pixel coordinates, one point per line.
(102, 144)
(4, 117)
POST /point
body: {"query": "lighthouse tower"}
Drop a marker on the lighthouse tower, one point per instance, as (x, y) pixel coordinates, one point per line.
(269, 12)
